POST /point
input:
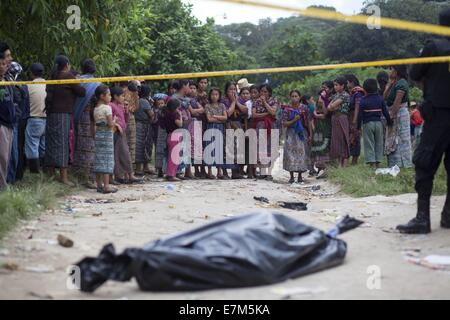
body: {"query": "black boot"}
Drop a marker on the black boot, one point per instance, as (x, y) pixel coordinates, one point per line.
(34, 166)
(421, 223)
(445, 220)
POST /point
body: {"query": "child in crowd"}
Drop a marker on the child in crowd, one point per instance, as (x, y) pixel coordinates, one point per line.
(216, 115)
(172, 121)
(372, 107)
(104, 139)
(144, 116)
(161, 136)
(123, 167)
(197, 113)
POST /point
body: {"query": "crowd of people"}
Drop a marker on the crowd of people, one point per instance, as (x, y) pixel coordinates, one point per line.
(110, 134)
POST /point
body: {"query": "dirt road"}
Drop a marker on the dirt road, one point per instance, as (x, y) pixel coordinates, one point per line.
(139, 214)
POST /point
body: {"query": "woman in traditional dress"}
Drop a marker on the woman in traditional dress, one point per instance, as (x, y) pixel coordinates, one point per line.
(398, 137)
(340, 130)
(84, 155)
(264, 111)
(298, 133)
(60, 103)
(236, 112)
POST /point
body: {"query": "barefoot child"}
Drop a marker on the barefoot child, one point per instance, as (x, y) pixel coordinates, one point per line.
(216, 115)
(104, 139)
(123, 166)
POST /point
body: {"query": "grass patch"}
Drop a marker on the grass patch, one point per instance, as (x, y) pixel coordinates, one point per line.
(27, 199)
(361, 181)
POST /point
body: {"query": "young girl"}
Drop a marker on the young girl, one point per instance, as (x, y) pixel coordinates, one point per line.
(254, 97)
(244, 99)
(236, 111)
(298, 130)
(172, 121)
(197, 113)
(104, 139)
(144, 116)
(321, 142)
(340, 128)
(264, 112)
(216, 115)
(160, 133)
(123, 166)
(183, 89)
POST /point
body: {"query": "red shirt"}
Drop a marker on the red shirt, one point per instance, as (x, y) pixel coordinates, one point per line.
(416, 118)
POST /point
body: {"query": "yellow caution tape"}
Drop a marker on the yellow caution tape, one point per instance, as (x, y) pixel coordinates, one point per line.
(358, 19)
(211, 74)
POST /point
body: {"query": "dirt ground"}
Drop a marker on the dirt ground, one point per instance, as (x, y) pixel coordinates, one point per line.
(143, 213)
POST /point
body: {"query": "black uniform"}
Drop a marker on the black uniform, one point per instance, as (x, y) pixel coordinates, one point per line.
(435, 140)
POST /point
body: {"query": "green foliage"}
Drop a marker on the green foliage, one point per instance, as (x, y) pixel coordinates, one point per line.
(26, 199)
(361, 181)
(37, 31)
(134, 37)
(352, 42)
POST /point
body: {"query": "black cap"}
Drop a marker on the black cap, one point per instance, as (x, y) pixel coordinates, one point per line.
(444, 18)
(37, 69)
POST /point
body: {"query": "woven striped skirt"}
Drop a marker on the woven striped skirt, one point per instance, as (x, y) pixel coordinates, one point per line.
(104, 150)
(144, 142)
(122, 157)
(57, 140)
(131, 137)
(85, 144)
(399, 137)
(161, 149)
(340, 141)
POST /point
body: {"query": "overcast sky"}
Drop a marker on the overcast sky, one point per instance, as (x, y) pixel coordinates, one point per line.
(225, 13)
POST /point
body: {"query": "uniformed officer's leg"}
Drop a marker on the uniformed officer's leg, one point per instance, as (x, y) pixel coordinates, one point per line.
(445, 221)
(427, 159)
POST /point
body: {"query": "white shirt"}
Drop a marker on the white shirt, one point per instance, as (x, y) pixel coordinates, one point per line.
(37, 99)
(249, 106)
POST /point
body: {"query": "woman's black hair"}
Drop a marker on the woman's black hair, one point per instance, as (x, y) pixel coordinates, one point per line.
(116, 91)
(228, 85)
(172, 105)
(268, 87)
(200, 79)
(382, 77)
(353, 79)
(342, 81)
(305, 99)
(296, 91)
(60, 63)
(212, 90)
(145, 91)
(101, 90)
(329, 84)
(170, 85)
(254, 87)
(177, 85)
(88, 66)
(3, 48)
(371, 86)
(132, 87)
(402, 71)
(244, 89)
(192, 83)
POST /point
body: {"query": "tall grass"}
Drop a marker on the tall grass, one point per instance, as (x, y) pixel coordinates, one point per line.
(27, 199)
(361, 181)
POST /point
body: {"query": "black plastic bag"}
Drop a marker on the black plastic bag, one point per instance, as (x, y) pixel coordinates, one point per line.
(249, 250)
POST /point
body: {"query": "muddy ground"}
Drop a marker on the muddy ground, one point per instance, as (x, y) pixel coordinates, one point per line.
(142, 213)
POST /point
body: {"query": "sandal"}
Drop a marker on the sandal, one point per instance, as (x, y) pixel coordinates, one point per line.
(111, 190)
(172, 179)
